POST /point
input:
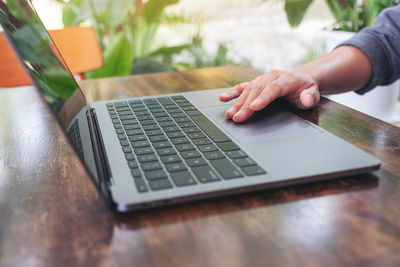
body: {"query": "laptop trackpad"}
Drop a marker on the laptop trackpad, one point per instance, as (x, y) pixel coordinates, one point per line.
(273, 122)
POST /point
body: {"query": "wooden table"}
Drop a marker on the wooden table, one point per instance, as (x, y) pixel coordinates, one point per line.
(52, 215)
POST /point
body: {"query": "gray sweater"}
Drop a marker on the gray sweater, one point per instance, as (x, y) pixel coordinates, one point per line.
(381, 43)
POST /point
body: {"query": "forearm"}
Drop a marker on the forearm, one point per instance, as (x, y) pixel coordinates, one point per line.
(344, 69)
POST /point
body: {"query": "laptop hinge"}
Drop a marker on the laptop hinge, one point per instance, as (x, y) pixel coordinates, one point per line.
(102, 165)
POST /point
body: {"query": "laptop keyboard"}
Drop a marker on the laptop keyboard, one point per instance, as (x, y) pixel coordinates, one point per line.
(169, 143)
(75, 138)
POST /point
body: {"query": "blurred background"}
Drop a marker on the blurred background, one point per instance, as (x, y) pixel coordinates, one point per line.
(165, 35)
(144, 36)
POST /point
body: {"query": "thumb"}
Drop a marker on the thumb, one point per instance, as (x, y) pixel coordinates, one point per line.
(309, 97)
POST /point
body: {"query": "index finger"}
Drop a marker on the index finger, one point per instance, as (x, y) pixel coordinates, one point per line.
(232, 93)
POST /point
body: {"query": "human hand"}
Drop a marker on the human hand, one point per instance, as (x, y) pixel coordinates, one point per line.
(299, 89)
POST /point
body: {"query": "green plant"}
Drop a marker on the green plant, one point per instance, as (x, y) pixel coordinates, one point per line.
(127, 30)
(350, 15)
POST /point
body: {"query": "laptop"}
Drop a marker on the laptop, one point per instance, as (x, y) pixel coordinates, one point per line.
(159, 150)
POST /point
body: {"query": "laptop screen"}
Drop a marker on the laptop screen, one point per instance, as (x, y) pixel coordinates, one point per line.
(40, 56)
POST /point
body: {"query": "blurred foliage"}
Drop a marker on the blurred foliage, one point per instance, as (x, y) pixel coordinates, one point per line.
(127, 31)
(29, 37)
(350, 15)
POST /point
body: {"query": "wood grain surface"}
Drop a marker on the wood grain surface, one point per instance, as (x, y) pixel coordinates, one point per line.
(52, 215)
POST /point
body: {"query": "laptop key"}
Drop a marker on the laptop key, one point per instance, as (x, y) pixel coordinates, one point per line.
(165, 100)
(160, 184)
(166, 151)
(171, 129)
(179, 141)
(191, 129)
(129, 156)
(131, 121)
(151, 127)
(207, 148)
(147, 158)
(124, 113)
(163, 144)
(171, 159)
(170, 106)
(173, 110)
(134, 132)
(148, 122)
(178, 115)
(140, 144)
(188, 108)
(157, 138)
(201, 141)
(205, 174)
(135, 138)
(214, 155)
(154, 132)
(133, 164)
(144, 151)
(196, 135)
(117, 125)
(183, 178)
(124, 143)
(244, 162)
(151, 166)
(158, 109)
(136, 173)
(174, 167)
(163, 119)
(228, 146)
(175, 134)
(121, 104)
(155, 175)
(210, 129)
(139, 108)
(126, 117)
(141, 185)
(253, 170)
(185, 147)
(122, 137)
(126, 149)
(226, 169)
(160, 114)
(236, 154)
(190, 154)
(186, 124)
(196, 162)
(149, 101)
(182, 119)
(167, 124)
(142, 113)
(131, 127)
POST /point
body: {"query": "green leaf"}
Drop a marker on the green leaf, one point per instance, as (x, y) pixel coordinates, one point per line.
(117, 11)
(18, 10)
(153, 9)
(3, 17)
(295, 11)
(60, 82)
(117, 59)
(166, 52)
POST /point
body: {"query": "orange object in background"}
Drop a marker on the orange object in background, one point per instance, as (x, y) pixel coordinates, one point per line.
(78, 46)
(12, 72)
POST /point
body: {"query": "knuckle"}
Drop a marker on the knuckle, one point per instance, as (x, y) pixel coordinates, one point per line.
(237, 105)
(275, 72)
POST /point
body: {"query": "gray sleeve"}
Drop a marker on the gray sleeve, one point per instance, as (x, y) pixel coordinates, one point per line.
(381, 43)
